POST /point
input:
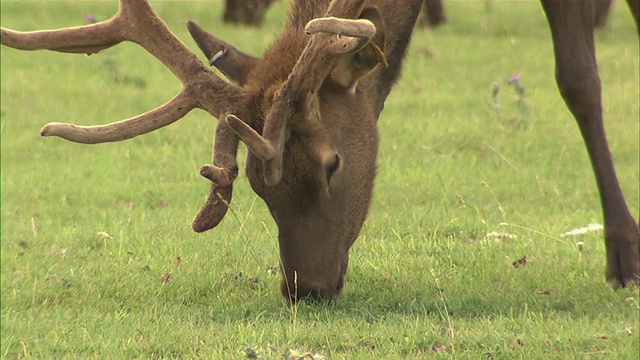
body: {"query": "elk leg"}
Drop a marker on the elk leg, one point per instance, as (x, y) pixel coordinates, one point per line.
(571, 24)
(434, 13)
(602, 10)
(634, 6)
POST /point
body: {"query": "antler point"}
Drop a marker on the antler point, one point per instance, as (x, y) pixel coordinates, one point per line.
(48, 128)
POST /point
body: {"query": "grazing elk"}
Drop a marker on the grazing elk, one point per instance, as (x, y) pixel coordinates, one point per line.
(307, 112)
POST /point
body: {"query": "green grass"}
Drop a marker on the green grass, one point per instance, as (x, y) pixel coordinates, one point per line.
(89, 233)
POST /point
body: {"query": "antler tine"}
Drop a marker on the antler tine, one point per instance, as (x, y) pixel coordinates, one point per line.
(321, 52)
(312, 67)
(164, 115)
(137, 22)
(222, 174)
(88, 39)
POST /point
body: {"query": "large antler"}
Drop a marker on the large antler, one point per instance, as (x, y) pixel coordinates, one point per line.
(137, 22)
(335, 35)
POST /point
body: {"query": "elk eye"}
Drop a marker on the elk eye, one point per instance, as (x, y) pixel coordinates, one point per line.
(334, 165)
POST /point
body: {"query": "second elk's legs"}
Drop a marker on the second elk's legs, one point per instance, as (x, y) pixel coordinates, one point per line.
(572, 25)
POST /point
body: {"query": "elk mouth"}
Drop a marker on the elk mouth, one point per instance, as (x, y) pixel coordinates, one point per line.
(313, 293)
(309, 291)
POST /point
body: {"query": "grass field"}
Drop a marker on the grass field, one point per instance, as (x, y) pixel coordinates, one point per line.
(99, 260)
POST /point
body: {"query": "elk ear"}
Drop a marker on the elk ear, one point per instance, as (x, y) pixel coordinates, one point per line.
(373, 15)
(350, 68)
(233, 63)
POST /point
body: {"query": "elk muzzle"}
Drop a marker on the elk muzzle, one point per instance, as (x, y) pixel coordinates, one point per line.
(295, 287)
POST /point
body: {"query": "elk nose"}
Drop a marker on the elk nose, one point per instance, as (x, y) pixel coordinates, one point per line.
(313, 293)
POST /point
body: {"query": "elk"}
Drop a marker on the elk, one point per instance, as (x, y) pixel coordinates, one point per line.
(307, 112)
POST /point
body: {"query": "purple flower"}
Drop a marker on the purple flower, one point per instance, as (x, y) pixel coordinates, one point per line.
(91, 18)
(514, 78)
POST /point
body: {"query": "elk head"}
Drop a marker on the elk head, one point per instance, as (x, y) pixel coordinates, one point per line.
(306, 110)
